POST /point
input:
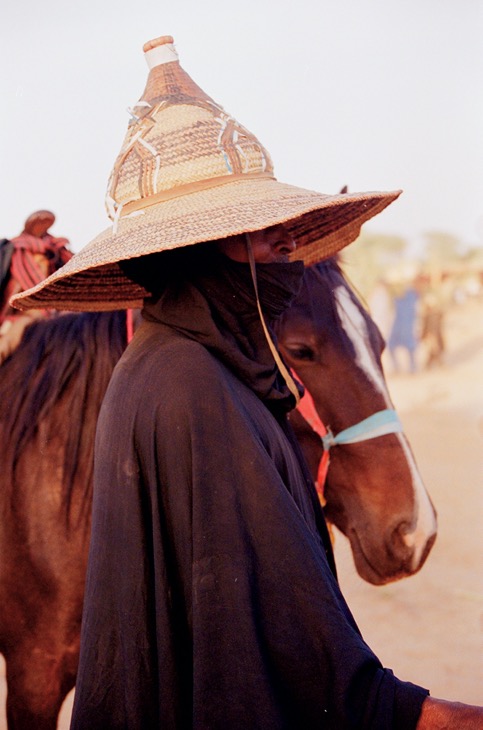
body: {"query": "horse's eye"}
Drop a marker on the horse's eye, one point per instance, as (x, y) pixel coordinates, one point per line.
(301, 353)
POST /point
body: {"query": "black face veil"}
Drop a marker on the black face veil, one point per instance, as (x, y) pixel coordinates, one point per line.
(239, 296)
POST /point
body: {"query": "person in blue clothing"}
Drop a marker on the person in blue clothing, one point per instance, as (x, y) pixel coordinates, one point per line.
(403, 333)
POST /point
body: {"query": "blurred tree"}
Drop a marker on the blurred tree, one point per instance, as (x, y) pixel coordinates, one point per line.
(441, 246)
(441, 254)
(366, 260)
(474, 259)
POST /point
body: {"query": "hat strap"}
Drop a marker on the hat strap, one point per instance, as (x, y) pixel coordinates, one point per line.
(280, 364)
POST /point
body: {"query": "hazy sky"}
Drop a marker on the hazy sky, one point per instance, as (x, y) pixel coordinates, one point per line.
(375, 94)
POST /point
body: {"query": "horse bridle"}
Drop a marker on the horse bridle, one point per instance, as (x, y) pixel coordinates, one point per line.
(379, 424)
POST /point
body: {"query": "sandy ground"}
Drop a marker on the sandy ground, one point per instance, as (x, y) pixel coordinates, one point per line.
(428, 628)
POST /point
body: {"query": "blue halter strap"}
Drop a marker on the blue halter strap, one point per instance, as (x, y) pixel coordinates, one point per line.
(379, 424)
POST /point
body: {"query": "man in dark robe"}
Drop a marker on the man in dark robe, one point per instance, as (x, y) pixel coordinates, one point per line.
(211, 598)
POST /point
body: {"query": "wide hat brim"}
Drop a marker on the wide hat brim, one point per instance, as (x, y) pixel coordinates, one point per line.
(93, 281)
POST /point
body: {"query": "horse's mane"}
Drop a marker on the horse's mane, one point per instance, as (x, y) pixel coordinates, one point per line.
(331, 274)
(332, 269)
(377, 340)
(61, 368)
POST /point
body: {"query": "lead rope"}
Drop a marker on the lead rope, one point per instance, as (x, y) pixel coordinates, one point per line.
(280, 364)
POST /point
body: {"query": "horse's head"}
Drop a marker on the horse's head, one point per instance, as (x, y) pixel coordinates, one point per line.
(374, 493)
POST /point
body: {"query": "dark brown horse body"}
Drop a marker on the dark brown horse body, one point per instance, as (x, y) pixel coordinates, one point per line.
(50, 394)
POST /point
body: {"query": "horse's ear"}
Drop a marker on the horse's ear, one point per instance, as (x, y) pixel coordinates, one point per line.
(344, 189)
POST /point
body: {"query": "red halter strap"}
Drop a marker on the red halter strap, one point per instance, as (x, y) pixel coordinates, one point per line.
(307, 409)
(129, 325)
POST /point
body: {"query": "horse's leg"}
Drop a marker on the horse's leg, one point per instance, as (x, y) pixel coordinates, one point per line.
(38, 682)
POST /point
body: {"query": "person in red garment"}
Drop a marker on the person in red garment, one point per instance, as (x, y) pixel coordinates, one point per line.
(212, 598)
(33, 256)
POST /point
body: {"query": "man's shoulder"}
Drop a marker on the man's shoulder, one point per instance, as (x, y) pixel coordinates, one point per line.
(180, 355)
(170, 383)
(169, 363)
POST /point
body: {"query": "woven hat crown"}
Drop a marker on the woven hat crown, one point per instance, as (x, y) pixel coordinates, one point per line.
(188, 172)
(178, 139)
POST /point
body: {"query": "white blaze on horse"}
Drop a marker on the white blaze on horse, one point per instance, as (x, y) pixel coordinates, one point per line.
(51, 390)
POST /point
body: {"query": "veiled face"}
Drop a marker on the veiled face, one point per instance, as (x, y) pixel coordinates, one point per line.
(270, 245)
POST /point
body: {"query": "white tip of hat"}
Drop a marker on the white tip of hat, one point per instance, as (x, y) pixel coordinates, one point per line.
(160, 50)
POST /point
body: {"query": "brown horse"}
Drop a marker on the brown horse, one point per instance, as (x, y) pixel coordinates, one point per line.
(51, 390)
(374, 492)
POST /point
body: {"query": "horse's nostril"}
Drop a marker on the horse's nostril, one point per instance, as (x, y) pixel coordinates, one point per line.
(407, 549)
(401, 541)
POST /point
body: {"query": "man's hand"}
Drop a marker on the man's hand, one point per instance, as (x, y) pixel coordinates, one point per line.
(444, 715)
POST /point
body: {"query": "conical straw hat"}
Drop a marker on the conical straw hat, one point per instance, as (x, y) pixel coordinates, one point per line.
(188, 172)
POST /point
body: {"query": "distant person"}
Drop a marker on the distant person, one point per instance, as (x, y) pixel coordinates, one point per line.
(432, 316)
(403, 334)
(27, 260)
